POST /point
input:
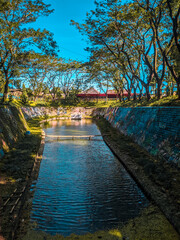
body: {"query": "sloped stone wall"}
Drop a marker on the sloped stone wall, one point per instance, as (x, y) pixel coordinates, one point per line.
(12, 127)
(157, 129)
(31, 112)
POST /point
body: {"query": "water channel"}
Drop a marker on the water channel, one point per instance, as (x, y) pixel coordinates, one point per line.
(82, 187)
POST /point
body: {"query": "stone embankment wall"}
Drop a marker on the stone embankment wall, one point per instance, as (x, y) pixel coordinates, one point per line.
(157, 129)
(12, 127)
(31, 112)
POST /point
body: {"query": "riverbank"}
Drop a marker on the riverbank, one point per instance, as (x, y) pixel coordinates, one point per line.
(148, 172)
(16, 170)
(150, 224)
(159, 180)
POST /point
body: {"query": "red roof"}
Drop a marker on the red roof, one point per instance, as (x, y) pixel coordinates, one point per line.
(91, 95)
(92, 92)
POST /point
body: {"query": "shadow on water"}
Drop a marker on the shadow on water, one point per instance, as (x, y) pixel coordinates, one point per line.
(83, 188)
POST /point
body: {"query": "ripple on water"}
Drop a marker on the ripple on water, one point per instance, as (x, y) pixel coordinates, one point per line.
(82, 187)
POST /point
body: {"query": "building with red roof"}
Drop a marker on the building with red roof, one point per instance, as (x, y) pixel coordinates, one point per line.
(92, 93)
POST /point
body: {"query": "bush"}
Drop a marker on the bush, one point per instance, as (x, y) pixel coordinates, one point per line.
(24, 98)
(10, 98)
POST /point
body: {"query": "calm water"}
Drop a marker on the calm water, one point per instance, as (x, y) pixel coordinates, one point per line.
(82, 187)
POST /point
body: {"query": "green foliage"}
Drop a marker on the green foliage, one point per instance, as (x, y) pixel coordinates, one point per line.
(10, 98)
(71, 99)
(16, 166)
(24, 98)
(16, 39)
(74, 101)
(137, 39)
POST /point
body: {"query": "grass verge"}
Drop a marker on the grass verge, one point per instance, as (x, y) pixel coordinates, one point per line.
(15, 170)
(150, 225)
(164, 101)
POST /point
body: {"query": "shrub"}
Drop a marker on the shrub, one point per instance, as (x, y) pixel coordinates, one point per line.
(24, 98)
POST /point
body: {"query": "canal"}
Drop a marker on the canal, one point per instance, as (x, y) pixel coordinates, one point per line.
(82, 187)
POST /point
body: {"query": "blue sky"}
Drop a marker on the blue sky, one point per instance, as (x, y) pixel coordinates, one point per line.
(70, 41)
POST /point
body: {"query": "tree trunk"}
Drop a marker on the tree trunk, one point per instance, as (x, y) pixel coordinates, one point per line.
(159, 90)
(6, 88)
(172, 89)
(178, 90)
(129, 95)
(147, 93)
(120, 97)
(134, 97)
(140, 93)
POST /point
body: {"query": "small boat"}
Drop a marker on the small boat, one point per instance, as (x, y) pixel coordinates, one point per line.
(76, 116)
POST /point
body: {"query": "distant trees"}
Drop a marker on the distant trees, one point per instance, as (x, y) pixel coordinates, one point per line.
(70, 76)
(134, 47)
(17, 43)
(29, 56)
(140, 38)
(48, 75)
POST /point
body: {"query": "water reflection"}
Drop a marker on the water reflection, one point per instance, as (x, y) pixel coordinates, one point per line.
(82, 187)
(68, 122)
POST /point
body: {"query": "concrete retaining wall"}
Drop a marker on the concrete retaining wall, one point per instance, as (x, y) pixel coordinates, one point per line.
(30, 112)
(157, 129)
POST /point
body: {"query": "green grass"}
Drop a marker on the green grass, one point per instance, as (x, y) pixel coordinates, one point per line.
(18, 161)
(165, 101)
(16, 166)
(149, 225)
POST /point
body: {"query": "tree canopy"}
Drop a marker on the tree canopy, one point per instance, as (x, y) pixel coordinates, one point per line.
(20, 44)
(140, 38)
(134, 47)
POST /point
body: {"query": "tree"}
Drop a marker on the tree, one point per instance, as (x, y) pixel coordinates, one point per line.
(99, 72)
(36, 72)
(164, 21)
(70, 76)
(24, 96)
(138, 37)
(3, 5)
(17, 42)
(52, 81)
(110, 30)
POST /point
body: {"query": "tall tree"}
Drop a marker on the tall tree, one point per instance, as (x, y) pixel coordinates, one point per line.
(17, 42)
(70, 76)
(140, 36)
(164, 20)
